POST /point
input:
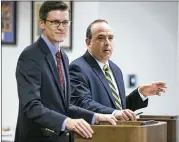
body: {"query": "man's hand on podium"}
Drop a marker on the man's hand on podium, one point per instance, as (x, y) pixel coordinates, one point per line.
(79, 126)
(105, 118)
(125, 115)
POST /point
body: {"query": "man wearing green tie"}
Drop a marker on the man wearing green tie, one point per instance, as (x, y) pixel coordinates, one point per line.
(97, 83)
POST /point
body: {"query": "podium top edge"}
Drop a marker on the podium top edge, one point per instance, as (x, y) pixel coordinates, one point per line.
(131, 123)
(159, 116)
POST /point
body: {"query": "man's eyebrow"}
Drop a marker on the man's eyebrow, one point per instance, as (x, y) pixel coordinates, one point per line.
(105, 35)
(59, 20)
(100, 35)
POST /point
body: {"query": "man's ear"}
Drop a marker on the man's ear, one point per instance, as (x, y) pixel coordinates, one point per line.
(88, 42)
(42, 24)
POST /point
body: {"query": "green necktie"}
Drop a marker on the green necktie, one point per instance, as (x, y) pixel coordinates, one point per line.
(117, 99)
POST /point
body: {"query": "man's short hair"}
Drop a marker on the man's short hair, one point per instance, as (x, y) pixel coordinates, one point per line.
(88, 31)
(48, 6)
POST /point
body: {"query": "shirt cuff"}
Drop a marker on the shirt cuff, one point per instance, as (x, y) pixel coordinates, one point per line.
(113, 113)
(93, 119)
(64, 124)
(142, 96)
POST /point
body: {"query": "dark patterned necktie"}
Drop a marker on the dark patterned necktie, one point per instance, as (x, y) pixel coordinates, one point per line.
(117, 99)
(59, 67)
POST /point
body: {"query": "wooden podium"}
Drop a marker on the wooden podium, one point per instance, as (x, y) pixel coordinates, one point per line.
(171, 124)
(129, 131)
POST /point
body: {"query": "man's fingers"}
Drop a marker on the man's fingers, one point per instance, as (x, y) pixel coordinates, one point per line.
(160, 84)
(124, 116)
(80, 127)
(130, 115)
(83, 130)
(78, 132)
(114, 118)
(111, 120)
(133, 115)
(121, 118)
(87, 127)
(161, 90)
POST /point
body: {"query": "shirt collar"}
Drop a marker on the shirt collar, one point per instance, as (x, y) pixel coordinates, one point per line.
(100, 63)
(52, 48)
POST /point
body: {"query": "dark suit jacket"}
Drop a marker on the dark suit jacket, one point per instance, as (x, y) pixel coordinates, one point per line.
(91, 91)
(43, 106)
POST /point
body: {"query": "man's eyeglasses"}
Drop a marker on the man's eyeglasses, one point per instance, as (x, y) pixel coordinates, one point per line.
(56, 23)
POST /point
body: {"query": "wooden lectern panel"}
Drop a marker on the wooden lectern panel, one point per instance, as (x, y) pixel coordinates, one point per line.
(128, 132)
(171, 124)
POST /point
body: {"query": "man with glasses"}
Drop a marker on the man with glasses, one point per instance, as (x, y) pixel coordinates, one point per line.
(42, 76)
(97, 83)
(57, 23)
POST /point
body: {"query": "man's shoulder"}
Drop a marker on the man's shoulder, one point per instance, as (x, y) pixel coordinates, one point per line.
(32, 51)
(79, 61)
(114, 65)
(80, 64)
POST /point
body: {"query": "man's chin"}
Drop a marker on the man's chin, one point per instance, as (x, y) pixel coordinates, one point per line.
(61, 40)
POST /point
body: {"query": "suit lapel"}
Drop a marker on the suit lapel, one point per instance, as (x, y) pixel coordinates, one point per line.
(54, 71)
(120, 86)
(53, 68)
(101, 76)
(96, 68)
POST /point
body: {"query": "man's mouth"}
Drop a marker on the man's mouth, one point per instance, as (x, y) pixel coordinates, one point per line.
(60, 33)
(106, 50)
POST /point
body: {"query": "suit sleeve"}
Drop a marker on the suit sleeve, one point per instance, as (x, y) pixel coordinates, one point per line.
(81, 94)
(78, 112)
(134, 101)
(28, 75)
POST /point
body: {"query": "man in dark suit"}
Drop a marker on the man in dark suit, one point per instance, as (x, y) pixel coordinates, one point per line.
(97, 82)
(42, 75)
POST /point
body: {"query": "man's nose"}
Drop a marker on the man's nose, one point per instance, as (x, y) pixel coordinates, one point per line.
(60, 26)
(107, 42)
